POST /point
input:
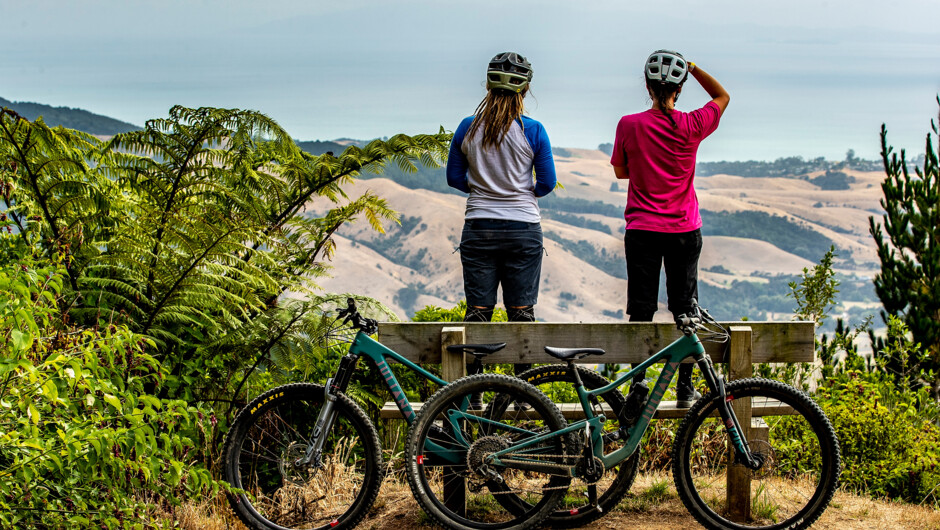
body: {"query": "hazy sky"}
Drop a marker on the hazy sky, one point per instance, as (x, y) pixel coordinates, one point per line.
(806, 77)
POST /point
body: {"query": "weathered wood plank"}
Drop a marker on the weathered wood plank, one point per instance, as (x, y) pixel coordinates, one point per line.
(625, 342)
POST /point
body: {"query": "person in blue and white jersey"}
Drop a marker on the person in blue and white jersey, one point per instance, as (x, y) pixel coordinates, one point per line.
(503, 159)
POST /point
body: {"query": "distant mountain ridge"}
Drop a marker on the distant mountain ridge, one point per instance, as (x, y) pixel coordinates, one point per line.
(78, 119)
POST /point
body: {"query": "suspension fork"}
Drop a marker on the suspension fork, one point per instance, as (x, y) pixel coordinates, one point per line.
(333, 387)
(716, 383)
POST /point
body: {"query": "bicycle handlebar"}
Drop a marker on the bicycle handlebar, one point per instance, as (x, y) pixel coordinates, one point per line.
(351, 316)
(689, 323)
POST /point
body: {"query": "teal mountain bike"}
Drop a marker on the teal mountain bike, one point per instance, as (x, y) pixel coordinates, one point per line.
(511, 462)
(307, 456)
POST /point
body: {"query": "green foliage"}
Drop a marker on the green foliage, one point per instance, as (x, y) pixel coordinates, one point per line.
(572, 205)
(786, 167)
(610, 263)
(576, 221)
(908, 242)
(889, 447)
(888, 426)
(833, 180)
(81, 438)
(778, 231)
(816, 293)
(455, 314)
(191, 230)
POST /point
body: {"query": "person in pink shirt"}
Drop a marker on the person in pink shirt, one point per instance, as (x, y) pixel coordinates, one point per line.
(655, 151)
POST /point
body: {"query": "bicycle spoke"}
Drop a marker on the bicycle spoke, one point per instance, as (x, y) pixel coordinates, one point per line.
(790, 436)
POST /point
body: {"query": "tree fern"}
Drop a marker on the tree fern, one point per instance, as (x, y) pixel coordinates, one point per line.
(193, 230)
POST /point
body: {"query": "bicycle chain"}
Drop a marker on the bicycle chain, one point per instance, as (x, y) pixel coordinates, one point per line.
(545, 488)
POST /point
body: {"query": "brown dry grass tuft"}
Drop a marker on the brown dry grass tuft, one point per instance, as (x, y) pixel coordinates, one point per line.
(651, 505)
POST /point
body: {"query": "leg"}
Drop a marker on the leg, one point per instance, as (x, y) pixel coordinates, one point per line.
(520, 274)
(480, 280)
(477, 314)
(681, 263)
(644, 261)
(479, 259)
(640, 317)
(521, 314)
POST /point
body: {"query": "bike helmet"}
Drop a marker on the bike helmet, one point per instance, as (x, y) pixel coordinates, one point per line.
(509, 71)
(667, 66)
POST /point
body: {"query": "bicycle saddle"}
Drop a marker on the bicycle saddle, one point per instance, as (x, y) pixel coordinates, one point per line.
(477, 350)
(570, 354)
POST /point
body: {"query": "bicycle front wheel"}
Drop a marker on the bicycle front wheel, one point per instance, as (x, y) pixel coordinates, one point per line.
(272, 433)
(449, 455)
(792, 435)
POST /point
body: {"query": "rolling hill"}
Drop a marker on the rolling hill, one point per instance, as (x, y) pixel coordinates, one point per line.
(760, 234)
(763, 225)
(70, 118)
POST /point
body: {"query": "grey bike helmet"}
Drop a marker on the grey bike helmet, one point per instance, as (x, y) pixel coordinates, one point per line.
(509, 71)
(667, 66)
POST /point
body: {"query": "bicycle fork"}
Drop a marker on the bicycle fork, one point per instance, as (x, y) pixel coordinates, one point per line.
(742, 452)
(327, 415)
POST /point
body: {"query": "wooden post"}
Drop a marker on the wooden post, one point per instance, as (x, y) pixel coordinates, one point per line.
(739, 477)
(453, 367)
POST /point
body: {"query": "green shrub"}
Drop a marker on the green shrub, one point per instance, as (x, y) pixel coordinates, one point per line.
(83, 439)
(889, 448)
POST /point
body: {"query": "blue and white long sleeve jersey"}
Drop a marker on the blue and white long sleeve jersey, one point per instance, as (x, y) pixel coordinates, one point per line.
(500, 182)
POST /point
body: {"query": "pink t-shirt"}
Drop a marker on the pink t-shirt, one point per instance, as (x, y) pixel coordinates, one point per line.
(660, 162)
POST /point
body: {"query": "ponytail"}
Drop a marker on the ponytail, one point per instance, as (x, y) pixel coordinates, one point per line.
(661, 93)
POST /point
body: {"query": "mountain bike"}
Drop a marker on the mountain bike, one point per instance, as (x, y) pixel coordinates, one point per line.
(521, 457)
(307, 456)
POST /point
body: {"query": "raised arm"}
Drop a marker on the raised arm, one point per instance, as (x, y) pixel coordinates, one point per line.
(711, 85)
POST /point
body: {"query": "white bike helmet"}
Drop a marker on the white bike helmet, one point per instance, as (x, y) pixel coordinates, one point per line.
(667, 66)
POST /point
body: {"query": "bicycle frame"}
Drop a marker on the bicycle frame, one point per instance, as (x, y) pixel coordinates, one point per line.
(364, 346)
(673, 354)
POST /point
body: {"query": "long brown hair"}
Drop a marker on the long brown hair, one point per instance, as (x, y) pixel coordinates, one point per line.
(496, 113)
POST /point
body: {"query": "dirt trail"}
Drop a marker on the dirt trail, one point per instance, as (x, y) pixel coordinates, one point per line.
(396, 510)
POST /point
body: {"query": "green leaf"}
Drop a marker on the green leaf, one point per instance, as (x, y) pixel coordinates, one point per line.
(21, 341)
(50, 390)
(33, 413)
(113, 401)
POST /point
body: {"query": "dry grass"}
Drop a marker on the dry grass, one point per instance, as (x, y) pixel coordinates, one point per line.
(652, 504)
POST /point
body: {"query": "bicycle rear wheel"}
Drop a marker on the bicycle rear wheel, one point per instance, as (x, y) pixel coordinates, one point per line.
(449, 448)
(557, 382)
(791, 433)
(272, 432)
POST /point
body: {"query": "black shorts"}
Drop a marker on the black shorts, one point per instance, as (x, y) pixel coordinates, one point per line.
(497, 252)
(647, 252)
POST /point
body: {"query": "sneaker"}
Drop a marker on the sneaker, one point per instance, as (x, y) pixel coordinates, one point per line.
(686, 396)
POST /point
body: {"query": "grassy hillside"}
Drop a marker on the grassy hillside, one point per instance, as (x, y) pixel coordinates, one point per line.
(759, 234)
